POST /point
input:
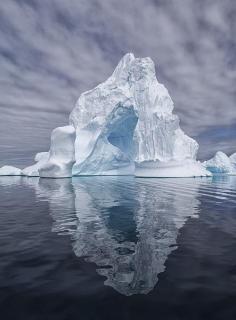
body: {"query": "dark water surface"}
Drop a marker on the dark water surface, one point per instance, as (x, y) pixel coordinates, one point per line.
(117, 248)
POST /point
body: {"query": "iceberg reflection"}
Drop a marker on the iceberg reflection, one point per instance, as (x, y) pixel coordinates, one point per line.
(126, 226)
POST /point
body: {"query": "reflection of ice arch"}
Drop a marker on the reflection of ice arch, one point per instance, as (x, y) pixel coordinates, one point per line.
(129, 227)
(106, 231)
(126, 226)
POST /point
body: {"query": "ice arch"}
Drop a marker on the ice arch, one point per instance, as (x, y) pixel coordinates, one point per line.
(113, 151)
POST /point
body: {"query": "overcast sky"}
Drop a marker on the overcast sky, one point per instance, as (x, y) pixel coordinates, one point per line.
(52, 50)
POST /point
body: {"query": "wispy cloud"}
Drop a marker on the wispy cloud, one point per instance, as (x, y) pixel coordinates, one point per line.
(51, 51)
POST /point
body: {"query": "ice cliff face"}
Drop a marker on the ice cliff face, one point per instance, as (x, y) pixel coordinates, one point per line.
(221, 164)
(124, 126)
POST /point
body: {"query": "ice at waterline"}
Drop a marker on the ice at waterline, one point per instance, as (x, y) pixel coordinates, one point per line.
(124, 126)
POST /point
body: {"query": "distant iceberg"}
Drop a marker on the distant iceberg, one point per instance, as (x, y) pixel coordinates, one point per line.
(221, 164)
(124, 126)
(10, 171)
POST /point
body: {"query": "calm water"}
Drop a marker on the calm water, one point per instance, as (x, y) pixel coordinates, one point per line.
(117, 248)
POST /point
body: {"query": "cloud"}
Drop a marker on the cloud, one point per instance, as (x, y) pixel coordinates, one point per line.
(51, 51)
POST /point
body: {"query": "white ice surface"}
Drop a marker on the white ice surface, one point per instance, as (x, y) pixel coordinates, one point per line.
(221, 164)
(114, 158)
(41, 159)
(10, 171)
(41, 156)
(188, 168)
(61, 154)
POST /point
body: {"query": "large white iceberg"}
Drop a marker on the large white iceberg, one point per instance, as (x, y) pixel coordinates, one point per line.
(124, 126)
(221, 164)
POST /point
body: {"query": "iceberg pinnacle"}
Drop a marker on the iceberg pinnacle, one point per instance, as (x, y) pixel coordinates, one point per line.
(124, 126)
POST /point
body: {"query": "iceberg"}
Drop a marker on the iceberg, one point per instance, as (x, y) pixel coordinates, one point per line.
(124, 126)
(221, 164)
(10, 171)
(145, 141)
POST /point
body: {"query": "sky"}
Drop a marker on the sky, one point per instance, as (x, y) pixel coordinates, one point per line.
(53, 50)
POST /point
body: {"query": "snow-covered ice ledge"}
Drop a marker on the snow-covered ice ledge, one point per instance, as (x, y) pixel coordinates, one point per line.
(124, 126)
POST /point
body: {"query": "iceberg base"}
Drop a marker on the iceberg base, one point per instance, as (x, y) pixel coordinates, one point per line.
(171, 169)
(121, 171)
